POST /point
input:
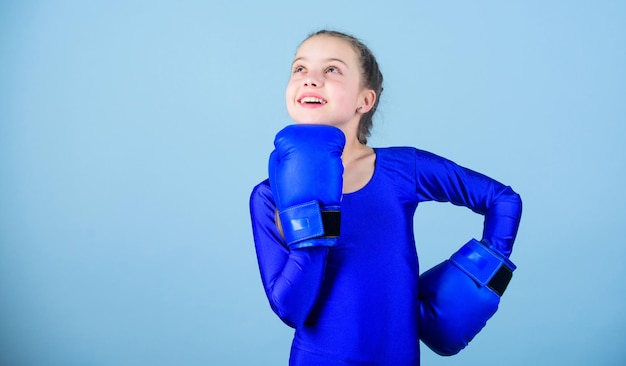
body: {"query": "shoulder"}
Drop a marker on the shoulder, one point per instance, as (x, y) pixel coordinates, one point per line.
(404, 151)
(262, 194)
(414, 163)
(395, 167)
(395, 154)
(407, 156)
(262, 187)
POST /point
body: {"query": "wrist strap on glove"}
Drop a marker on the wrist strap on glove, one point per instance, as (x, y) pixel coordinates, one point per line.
(484, 265)
(308, 221)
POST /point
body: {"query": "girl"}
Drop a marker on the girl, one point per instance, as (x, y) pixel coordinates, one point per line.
(333, 226)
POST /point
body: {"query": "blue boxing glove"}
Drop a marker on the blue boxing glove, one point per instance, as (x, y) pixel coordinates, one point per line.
(305, 172)
(458, 296)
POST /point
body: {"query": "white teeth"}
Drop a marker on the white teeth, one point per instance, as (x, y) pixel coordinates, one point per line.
(312, 100)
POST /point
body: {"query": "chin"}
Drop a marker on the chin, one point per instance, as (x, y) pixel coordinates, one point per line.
(308, 121)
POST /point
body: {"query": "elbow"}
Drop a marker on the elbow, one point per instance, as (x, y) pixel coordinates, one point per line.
(288, 316)
(289, 306)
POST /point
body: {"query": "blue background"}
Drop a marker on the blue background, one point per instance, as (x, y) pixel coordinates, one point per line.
(131, 135)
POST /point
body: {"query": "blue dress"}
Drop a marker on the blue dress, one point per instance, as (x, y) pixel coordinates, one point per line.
(357, 302)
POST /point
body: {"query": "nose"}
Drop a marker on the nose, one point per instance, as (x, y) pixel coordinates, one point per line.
(313, 80)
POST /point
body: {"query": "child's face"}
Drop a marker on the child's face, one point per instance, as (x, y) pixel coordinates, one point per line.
(325, 84)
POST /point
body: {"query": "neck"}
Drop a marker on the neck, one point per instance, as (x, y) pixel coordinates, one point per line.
(353, 149)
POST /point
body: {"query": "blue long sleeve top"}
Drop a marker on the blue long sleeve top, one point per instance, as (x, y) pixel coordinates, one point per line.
(357, 302)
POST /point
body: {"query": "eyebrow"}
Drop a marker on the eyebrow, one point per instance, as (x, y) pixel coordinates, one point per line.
(325, 60)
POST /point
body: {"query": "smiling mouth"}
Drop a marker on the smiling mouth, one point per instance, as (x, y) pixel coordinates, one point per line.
(312, 100)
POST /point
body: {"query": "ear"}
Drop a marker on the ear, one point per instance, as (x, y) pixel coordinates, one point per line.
(366, 99)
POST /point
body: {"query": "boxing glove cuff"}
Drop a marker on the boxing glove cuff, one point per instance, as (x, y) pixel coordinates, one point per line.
(484, 265)
(308, 221)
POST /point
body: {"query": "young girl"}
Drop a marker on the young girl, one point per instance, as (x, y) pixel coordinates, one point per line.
(333, 225)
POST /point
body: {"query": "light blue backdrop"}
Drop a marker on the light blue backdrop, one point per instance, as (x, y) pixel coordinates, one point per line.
(132, 132)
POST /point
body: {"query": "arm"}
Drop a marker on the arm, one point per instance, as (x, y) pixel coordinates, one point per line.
(458, 296)
(303, 199)
(442, 180)
(291, 277)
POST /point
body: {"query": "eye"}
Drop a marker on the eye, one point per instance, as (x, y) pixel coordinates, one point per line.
(333, 70)
(298, 68)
